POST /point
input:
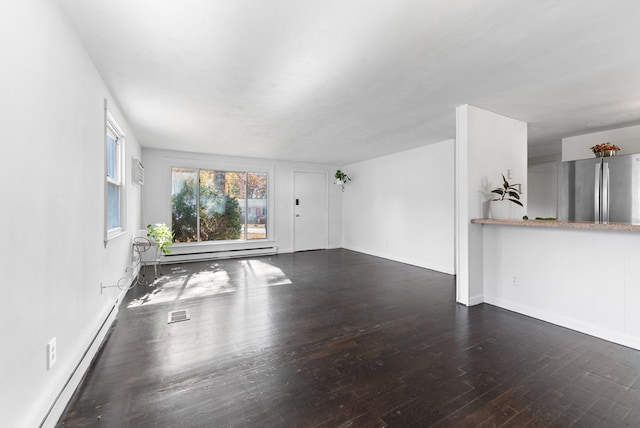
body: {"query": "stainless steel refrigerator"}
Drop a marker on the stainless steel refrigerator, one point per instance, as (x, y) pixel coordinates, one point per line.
(602, 190)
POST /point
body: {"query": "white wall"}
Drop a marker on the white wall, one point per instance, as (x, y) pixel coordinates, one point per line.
(401, 207)
(487, 145)
(628, 139)
(542, 195)
(51, 221)
(157, 191)
(584, 280)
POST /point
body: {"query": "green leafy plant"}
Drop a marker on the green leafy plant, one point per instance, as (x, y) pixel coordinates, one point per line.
(341, 179)
(509, 192)
(162, 235)
(184, 216)
(221, 218)
(341, 176)
(220, 214)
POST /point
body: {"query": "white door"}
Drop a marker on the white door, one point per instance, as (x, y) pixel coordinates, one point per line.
(311, 212)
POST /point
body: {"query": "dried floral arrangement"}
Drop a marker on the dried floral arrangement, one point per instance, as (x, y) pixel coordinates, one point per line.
(604, 147)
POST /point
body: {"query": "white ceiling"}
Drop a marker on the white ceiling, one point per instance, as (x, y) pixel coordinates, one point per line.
(344, 81)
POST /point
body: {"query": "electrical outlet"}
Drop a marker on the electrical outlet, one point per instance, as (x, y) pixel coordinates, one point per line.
(514, 281)
(52, 353)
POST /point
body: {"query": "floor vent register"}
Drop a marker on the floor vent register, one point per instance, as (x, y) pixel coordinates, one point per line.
(178, 316)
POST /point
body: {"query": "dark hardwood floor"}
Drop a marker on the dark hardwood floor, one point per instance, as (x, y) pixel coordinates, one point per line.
(335, 339)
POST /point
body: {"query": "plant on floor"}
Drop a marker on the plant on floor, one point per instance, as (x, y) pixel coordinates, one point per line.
(341, 179)
(162, 235)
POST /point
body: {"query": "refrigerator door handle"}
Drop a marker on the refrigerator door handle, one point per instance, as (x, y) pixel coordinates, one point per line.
(596, 194)
(605, 193)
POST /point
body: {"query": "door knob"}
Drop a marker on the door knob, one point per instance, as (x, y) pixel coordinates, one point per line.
(297, 215)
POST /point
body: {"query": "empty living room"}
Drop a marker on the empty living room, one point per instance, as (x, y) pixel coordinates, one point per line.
(286, 213)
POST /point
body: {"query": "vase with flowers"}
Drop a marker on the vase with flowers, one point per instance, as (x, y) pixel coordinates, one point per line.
(604, 150)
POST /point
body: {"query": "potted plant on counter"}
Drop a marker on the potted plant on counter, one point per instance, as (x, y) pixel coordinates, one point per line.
(506, 194)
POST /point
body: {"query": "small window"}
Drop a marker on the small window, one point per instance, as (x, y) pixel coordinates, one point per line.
(114, 179)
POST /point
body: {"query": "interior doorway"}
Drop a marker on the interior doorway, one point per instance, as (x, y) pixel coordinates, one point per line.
(311, 214)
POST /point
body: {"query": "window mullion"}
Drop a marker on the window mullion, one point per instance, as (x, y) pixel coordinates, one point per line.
(246, 205)
(119, 165)
(198, 205)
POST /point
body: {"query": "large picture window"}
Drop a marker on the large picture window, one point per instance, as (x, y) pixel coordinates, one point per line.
(210, 205)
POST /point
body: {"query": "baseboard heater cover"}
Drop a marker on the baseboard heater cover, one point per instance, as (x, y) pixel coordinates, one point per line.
(80, 370)
(219, 254)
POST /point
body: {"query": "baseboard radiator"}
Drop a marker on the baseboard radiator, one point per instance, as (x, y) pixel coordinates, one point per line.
(56, 410)
(218, 254)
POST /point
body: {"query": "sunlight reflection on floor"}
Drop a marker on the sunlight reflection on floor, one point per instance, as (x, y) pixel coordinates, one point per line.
(264, 273)
(185, 286)
(181, 283)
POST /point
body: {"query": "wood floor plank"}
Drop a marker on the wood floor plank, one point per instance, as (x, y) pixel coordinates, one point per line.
(342, 339)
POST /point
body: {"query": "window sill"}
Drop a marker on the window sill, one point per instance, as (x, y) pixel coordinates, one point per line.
(197, 247)
(222, 243)
(114, 237)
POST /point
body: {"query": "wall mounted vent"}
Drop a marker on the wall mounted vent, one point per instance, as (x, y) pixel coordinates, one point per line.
(137, 172)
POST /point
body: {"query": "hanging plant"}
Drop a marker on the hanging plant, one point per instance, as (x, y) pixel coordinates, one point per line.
(162, 235)
(341, 179)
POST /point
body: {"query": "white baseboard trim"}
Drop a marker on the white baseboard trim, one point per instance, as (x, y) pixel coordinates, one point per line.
(291, 250)
(75, 378)
(418, 263)
(570, 323)
(476, 300)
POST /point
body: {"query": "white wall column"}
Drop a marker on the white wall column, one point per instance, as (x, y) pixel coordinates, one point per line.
(487, 145)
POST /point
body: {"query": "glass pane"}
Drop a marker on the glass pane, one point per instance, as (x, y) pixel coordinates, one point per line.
(256, 205)
(113, 206)
(112, 157)
(221, 203)
(183, 204)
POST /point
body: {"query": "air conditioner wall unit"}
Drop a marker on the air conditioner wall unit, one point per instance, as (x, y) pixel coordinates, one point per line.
(137, 172)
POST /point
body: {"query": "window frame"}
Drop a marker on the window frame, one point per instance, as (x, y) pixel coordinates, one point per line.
(197, 167)
(112, 128)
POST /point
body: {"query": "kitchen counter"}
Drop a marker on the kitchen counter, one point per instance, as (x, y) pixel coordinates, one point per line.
(559, 224)
(580, 275)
